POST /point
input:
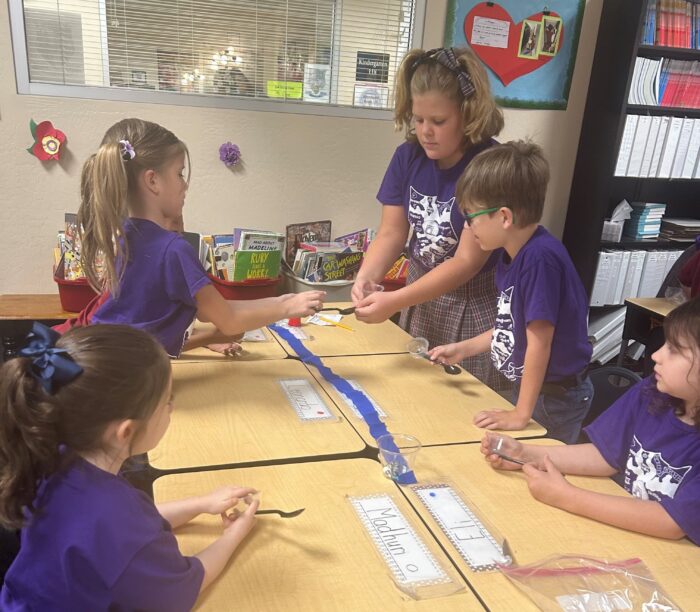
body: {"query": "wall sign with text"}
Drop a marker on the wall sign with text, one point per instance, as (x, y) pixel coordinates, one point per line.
(372, 67)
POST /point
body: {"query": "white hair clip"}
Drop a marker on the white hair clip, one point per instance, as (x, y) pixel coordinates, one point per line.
(127, 151)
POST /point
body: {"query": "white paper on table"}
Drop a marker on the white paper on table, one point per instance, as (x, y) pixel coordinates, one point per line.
(254, 335)
(307, 403)
(468, 535)
(352, 406)
(490, 32)
(316, 320)
(297, 332)
(401, 547)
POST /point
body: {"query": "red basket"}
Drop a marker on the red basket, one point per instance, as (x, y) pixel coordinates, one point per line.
(251, 289)
(74, 294)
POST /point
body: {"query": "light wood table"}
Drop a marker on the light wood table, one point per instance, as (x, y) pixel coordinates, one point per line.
(252, 351)
(535, 531)
(33, 307)
(322, 559)
(418, 398)
(229, 413)
(365, 339)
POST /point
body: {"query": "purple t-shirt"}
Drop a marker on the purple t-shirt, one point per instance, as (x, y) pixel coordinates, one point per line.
(658, 453)
(540, 284)
(427, 193)
(98, 543)
(157, 291)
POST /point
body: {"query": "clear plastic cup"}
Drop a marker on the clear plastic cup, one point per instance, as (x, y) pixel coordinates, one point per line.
(418, 347)
(397, 453)
(370, 288)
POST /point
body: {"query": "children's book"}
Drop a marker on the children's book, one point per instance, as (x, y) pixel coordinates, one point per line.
(255, 264)
(358, 240)
(72, 269)
(311, 231)
(257, 240)
(336, 266)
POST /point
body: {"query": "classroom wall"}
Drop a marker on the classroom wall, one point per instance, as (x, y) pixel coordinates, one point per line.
(296, 167)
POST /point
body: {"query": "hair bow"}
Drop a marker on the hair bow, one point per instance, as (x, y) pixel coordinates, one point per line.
(51, 366)
(448, 59)
(127, 150)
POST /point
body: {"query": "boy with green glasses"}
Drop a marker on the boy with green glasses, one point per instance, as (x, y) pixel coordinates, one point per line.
(540, 340)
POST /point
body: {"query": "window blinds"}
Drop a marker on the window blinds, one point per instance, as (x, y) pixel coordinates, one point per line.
(333, 52)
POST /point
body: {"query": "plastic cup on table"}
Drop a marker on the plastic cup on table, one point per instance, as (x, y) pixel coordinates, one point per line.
(397, 453)
(370, 288)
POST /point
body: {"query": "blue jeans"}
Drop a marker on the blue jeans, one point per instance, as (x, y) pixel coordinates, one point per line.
(562, 412)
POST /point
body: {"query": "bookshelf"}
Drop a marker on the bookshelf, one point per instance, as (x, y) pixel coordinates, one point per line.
(595, 190)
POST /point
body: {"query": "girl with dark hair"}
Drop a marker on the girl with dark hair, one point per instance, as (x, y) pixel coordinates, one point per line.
(651, 435)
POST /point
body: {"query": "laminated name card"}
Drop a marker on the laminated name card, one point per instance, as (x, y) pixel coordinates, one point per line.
(307, 403)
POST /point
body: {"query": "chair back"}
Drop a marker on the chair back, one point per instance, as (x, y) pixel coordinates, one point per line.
(609, 383)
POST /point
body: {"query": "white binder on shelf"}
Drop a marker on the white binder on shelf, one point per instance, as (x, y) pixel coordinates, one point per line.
(651, 144)
(602, 279)
(620, 279)
(682, 150)
(623, 155)
(670, 146)
(659, 146)
(615, 265)
(691, 159)
(634, 274)
(639, 145)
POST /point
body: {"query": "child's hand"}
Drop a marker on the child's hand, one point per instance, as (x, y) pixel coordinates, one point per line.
(230, 349)
(547, 485)
(448, 354)
(359, 290)
(302, 304)
(508, 420)
(508, 446)
(225, 498)
(376, 307)
(238, 524)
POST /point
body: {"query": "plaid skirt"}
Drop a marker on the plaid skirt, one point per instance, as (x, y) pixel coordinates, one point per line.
(462, 313)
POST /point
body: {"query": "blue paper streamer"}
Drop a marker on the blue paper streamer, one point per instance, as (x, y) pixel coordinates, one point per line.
(364, 406)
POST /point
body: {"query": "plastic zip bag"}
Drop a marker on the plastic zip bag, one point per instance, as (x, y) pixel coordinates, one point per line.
(584, 584)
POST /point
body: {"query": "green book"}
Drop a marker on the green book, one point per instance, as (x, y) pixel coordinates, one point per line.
(256, 264)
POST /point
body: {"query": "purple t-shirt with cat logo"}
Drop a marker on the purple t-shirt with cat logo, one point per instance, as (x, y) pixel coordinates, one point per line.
(658, 453)
(427, 193)
(540, 284)
(157, 291)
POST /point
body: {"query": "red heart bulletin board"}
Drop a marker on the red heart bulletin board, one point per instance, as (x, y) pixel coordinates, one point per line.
(529, 49)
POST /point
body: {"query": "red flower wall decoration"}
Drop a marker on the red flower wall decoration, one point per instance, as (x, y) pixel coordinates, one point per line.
(48, 141)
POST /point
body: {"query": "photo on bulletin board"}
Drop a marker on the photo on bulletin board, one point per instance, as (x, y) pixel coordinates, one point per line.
(528, 48)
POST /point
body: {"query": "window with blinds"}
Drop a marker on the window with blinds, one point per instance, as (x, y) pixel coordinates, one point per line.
(341, 53)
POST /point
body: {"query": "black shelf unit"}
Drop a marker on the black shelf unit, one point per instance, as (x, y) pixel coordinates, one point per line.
(595, 191)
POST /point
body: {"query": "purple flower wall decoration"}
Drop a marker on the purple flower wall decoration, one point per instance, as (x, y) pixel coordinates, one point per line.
(230, 154)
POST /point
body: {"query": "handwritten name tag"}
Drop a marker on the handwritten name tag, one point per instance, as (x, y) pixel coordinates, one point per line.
(402, 549)
(307, 403)
(468, 535)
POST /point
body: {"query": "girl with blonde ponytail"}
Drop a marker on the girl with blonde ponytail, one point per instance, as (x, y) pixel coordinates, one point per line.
(72, 409)
(444, 105)
(132, 190)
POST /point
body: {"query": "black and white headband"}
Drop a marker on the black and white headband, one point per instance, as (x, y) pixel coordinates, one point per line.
(448, 59)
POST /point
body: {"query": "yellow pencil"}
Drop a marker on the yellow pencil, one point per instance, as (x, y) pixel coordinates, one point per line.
(322, 318)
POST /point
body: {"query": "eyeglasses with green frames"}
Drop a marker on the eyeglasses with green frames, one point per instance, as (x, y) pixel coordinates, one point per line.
(486, 211)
